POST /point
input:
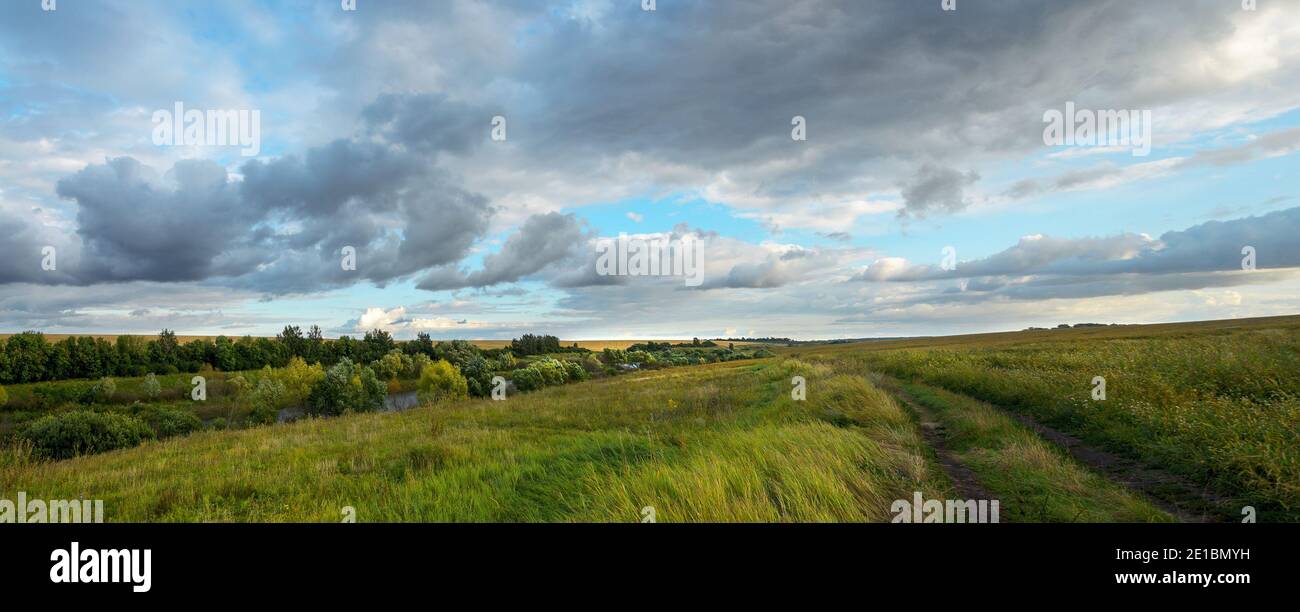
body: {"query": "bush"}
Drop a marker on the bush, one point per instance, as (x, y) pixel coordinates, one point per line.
(441, 380)
(152, 388)
(298, 379)
(4, 396)
(394, 364)
(418, 362)
(68, 434)
(268, 393)
(574, 372)
(552, 371)
(51, 396)
(261, 415)
(528, 379)
(168, 422)
(346, 387)
(100, 392)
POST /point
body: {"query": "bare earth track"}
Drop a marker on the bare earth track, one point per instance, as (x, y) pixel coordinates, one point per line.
(1171, 493)
(964, 480)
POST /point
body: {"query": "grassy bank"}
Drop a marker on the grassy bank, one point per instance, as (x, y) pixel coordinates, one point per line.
(722, 442)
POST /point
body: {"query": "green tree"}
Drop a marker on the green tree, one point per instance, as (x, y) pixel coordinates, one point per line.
(266, 399)
(442, 380)
(28, 357)
(346, 387)
(393, 365)
(298, 379)
(166, 348)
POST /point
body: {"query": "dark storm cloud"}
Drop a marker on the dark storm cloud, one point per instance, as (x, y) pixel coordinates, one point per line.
(934, 189)
(541, 241)
(282, 228)
(137, 225)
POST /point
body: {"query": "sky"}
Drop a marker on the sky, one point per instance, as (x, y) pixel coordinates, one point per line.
(848, 168)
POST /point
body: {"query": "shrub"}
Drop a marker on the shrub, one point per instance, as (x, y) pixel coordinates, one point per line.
(528, 379)
(552, 371)
(152, 388)
(574, 372)
(4, 396)
(100, 392)
(441, 380)
(68, 434)
(168, 422)
(50, 396)
(239, 388)
(418, 362)
(268, 396)
(262, 415)
(346, 387)
(298, 379)
(393, 364)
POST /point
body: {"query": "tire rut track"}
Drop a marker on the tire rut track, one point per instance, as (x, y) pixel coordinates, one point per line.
(964, 480)
(1172, 493)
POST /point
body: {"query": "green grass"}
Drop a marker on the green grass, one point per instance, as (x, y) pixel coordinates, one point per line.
(1035, 481)
(722, 442)
(1215, 402)
(1218, 405)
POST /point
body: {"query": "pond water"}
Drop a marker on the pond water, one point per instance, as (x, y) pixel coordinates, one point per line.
(395, 402)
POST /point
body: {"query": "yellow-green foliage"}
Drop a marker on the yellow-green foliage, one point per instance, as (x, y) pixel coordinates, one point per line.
(4, 396)
(298, 379)
(441, 380)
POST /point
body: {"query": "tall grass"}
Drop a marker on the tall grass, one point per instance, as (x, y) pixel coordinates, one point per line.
(1221, 407)
(723, 442)
(1035, 481)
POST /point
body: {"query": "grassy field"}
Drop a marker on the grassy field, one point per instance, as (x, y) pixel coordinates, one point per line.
(1214, 403)
(722, 442)
(1034, 480)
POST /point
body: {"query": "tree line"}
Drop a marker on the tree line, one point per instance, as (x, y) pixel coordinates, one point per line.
(30, 357)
